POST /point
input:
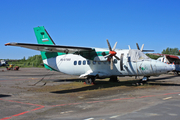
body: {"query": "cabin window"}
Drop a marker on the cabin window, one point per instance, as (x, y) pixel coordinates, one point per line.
(84, 62)
(75, 62)
(79, 62)
(88, 62)
(94, 62)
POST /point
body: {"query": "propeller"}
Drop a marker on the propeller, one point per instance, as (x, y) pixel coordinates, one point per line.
(111, 53)
(142, 48)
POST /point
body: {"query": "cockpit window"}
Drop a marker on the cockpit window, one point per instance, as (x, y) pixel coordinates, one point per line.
(137, 55)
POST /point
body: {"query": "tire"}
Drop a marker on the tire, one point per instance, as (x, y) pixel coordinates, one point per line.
(89, 80)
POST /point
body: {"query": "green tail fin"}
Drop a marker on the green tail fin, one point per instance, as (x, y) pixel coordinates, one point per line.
(44, 38)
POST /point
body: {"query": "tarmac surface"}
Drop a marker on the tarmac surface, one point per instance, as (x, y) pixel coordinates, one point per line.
(40, 94)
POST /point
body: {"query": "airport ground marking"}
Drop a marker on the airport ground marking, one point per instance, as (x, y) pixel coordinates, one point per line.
(89, 119)
(89, 102)
(167, 98)
(22, 113)
(118, 99)
(19, 79)
(114, 116)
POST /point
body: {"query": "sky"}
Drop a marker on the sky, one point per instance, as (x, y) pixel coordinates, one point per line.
(88, 23)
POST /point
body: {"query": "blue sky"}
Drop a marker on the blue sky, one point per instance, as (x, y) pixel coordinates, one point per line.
(88, 23)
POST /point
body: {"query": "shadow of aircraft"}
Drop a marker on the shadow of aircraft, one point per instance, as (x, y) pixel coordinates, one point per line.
(158, 81)
(162, 78)
(69, 80)
(108, 84)
(2, 95)
(98, 85)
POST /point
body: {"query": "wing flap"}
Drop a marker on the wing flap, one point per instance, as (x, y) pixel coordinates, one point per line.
(50, 48)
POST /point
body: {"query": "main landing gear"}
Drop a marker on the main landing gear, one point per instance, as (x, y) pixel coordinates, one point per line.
(114, 79)
(90, 80)
(176, 73)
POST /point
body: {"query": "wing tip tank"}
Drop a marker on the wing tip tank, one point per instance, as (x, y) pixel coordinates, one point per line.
(10, 44)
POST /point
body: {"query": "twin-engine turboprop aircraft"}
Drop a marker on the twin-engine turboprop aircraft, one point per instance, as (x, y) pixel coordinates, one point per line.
(94, 63)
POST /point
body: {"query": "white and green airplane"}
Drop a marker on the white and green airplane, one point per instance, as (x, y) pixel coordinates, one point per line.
(94, 63)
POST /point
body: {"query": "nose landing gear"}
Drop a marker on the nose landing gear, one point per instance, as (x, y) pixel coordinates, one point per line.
(143, 80)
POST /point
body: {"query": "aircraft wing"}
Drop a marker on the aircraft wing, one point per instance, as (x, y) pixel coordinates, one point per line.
(50, 48)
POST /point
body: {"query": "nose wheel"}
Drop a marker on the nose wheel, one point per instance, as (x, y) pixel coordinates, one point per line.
(142, 81)
(145, 79)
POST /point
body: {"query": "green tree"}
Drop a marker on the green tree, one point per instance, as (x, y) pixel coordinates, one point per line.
(171, 51)
(153, 56)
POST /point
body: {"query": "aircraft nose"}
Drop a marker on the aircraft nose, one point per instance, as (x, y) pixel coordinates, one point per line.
(163, 67)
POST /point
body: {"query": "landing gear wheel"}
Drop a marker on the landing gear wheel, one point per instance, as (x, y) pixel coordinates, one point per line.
(176, 73)
(144, 79)
(90, 80)
(114, 79)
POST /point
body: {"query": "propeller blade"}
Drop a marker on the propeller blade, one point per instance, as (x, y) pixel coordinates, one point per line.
(111, 63)
(129, 47)
(142, 47)
(114, 46)
(147, 50)
(117, 58)
(121, 62)
(137, 46)
(109, 45)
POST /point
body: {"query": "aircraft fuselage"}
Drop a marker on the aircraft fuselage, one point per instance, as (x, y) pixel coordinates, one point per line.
(77, 65)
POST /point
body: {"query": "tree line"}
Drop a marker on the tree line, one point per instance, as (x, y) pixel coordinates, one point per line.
(169, 51)
(33, 61)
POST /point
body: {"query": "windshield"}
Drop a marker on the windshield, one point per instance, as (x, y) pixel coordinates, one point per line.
(137, 55)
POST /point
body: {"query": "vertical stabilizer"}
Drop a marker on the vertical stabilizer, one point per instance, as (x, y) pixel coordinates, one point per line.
(44, 38)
